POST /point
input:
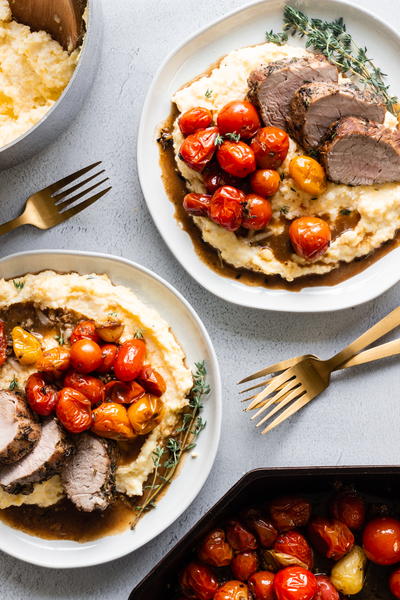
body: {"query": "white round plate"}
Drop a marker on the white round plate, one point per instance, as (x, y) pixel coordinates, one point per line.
(197, 345)
(244, 27)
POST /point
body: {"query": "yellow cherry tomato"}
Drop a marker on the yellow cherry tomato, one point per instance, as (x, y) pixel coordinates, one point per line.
(308, 174)
(27, 348)
(145, 414)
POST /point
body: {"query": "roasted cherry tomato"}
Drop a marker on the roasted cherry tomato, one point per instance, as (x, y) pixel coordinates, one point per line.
(74, 410)
(85, 330)
(261, 585)
(152, 381)
(394, 583)
(295, 544)
(263, 528)
(108, 354)
(130, 359)
(214, 178)
(110, 331)
(198, 582)
(244, 565)
(42, 398)
(54, 360)
(295, 583)
(198, 149)
(265, 182)
(194, 119)
(110, 420)
(27, 347)
(330, 537)
(308, 175)
(240, 538)
(145, 414)
(381, 541)
(89, 386)
(310, 237)
(215, 550)
(197, 204)
(270, 146)
(233, 590)
(326, 590)
(3, 343)
(123, 392)
(227, 207)
(349, 508)
(86, 356)
(240, 117)
(236, 158)
(257, 212)
(289, 512)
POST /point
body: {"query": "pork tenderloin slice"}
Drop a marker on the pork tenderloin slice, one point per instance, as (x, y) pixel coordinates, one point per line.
(359, 152)
(88, 476)
(272, 86)
(315, 106)
(19, 428)
(41, 463)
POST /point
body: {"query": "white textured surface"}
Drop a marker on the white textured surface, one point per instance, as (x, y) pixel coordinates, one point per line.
(355, 422)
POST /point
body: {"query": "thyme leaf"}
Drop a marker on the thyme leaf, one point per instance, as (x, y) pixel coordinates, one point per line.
(138, 335)
(208, 93)
(60, 339)
(18, 284)
(276, 38)
(14, 385)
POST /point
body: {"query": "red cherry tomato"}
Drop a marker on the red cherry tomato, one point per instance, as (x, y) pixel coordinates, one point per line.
(89, 386)
(214, 178)
(349, 508)
(74, 410)
(226, 207)
(86, 356)
(295, 544)
(240, 117)
(198, 582)
(85, 330)
(236, 158)
(394, 583)
(197, 204)
(152, 381)
(381, 540)
(198, 149)
(122, 392)
(310, 237)
(289, 512)
(257, 212)
(263, 529)
(130, 359)
(42, 398)
(265, 182)
(326, 589)
(215, 550)
(3, 343)
(261, 585)
(194, 119)
(240, 538)
(270, 146)
(233, 590)
(109, 354)
(295, 583)
(244, 565)
(331, 538)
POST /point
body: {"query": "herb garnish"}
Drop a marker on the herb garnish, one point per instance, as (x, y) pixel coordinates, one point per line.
(277, 38)
(138, 335)
(14, 385)
(18, 284)
(60, 339)
(234, 137)
(208, 93)
(333, 41)
(219, 140)
(284, 210)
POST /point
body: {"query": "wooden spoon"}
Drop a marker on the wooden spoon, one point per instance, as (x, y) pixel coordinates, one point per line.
(62, 19)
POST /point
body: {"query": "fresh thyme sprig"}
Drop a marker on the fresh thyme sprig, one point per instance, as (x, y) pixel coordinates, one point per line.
(331, 39)
(18, 284)
(276, 38)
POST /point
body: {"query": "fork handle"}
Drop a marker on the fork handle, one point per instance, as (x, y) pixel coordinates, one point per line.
(380, 329)
(13, 224)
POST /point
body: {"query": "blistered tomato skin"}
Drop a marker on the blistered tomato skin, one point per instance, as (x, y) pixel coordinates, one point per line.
(295, 544)
(145, 414)
(214, 178)
(226, 207)
(310, 237)
(295, 583)
(308, 175)
(289, 512)
(330, 537)
(349, 508)
(86, 356)
(26, 346)
(197, 581)
(265, 182)
(130, 359)
(236, 158)
(239, 117)
(240, 538)
(244, 565)
(108, 354)
(152, 381)
(257, 212)
(233, 590)
(197, 205)
(381, 541)
(54, 360)
(110, 420)
(194, 119)
(215, 550)
(261, 527)
(85, 330)
(261, 585)
(394, 583)
(198, 149)
(74, 410)
(123, 392)
(270, 146)
(326, 589)
(89, 386)
(42, 398)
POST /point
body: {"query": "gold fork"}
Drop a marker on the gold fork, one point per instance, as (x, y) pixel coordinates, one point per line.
(51, 206)
(303, 380)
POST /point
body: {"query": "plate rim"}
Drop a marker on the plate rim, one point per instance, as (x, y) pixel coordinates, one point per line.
(212, 449)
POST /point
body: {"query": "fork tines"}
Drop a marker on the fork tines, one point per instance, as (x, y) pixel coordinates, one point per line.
(63, 198)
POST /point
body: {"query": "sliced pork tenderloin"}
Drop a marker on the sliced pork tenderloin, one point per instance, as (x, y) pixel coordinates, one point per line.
(315, 106)
(359, 152)
(19, 428)
(272, 86)
(88, 476)
(41, 463)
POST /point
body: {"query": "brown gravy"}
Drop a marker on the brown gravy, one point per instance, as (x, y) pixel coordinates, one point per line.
(175, 188)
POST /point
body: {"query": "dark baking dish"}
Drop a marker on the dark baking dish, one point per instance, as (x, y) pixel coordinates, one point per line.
(379, 483)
